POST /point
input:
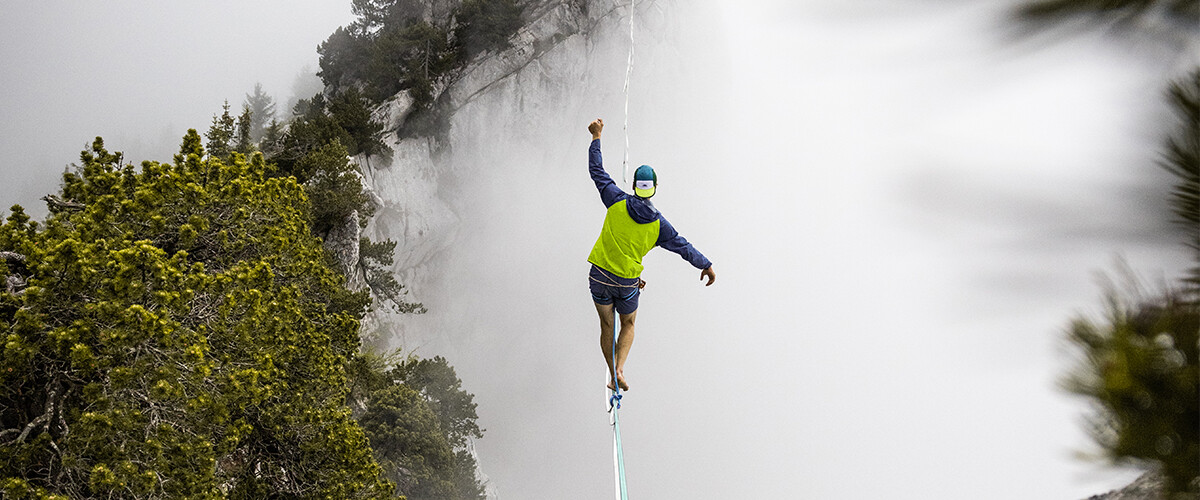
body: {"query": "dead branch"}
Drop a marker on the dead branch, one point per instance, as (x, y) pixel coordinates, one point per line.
(57, 204)
(44, 419)
(14, 284)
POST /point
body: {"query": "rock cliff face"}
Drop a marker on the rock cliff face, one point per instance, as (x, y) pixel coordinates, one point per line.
(428, 192)
(423, 188)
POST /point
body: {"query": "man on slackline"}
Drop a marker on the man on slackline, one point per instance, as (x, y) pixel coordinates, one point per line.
(632, 226)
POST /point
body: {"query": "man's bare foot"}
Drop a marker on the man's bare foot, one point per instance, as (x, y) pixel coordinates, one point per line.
(621, 382)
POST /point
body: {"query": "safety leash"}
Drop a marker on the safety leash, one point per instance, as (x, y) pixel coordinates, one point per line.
(628, 74)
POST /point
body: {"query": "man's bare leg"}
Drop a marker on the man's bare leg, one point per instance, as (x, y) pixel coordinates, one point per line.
(624, 341)
(606, 337)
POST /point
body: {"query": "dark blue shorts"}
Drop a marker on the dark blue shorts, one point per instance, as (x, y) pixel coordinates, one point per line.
(608, 288)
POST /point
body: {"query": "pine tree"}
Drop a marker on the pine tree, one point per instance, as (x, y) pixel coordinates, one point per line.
(418, 419)
(334, 187)
(1141, 366)
(262, 112)
(244, 143)
(351, 111)
(272, 140)
(375, 260)
(485, 25)
(174, 332)
(221, 134)
(1182, 159)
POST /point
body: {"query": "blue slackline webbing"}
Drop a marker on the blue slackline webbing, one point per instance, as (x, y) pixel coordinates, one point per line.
(614, 406)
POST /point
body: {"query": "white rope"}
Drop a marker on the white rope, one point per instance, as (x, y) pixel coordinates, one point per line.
(628, 73)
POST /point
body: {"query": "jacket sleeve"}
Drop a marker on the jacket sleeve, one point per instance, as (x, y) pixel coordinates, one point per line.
(609, 192)
(670, 239)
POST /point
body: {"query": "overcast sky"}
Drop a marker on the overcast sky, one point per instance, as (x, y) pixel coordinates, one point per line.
(138, 73)
(904, 203)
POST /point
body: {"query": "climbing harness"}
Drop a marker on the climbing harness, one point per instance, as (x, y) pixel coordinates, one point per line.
(614, 406)
(611, 281)
(628, 74)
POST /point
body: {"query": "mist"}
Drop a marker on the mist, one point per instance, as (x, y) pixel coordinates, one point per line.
(140, 73)
(904, 204)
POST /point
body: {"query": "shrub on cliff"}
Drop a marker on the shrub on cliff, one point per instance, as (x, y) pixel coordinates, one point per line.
(392, 48)
(484, 25)
(173, 332)
(418, 419)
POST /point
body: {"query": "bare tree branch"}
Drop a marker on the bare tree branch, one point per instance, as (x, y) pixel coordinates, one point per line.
(13, 284)
(57, 204)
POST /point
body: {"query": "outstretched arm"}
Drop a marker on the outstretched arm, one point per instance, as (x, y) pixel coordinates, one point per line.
(670, 239)
(609, 192)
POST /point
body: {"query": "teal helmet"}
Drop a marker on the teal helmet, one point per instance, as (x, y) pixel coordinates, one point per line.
(645, 181)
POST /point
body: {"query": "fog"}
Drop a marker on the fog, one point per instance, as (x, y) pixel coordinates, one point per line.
(140, 73)
(905, 205)
(904, 202)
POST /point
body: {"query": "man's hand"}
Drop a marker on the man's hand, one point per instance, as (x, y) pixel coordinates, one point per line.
(710, 274)
(595, 127)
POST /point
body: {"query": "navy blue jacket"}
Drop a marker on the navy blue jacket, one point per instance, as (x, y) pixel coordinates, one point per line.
(641, 210)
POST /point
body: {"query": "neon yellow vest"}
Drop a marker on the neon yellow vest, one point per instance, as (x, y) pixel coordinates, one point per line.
(623, 242)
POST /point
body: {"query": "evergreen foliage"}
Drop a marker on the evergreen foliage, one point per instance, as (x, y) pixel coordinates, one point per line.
(342, 58)
(1182, 159)
(178, 330)
(1140, 366)
(334, 187)
(375, 259)
(1183, 13)
(438, 382)
(394, 46)
(418, 419)
(177, 335)
(313, 151)
(310, 129)
(221, 134)
(411, 57)
(272, 139)
(374, 15)
(1140, 369)
(486, 25)
(351, 112)
(346, 119)
(262, 112)
(244, 143)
